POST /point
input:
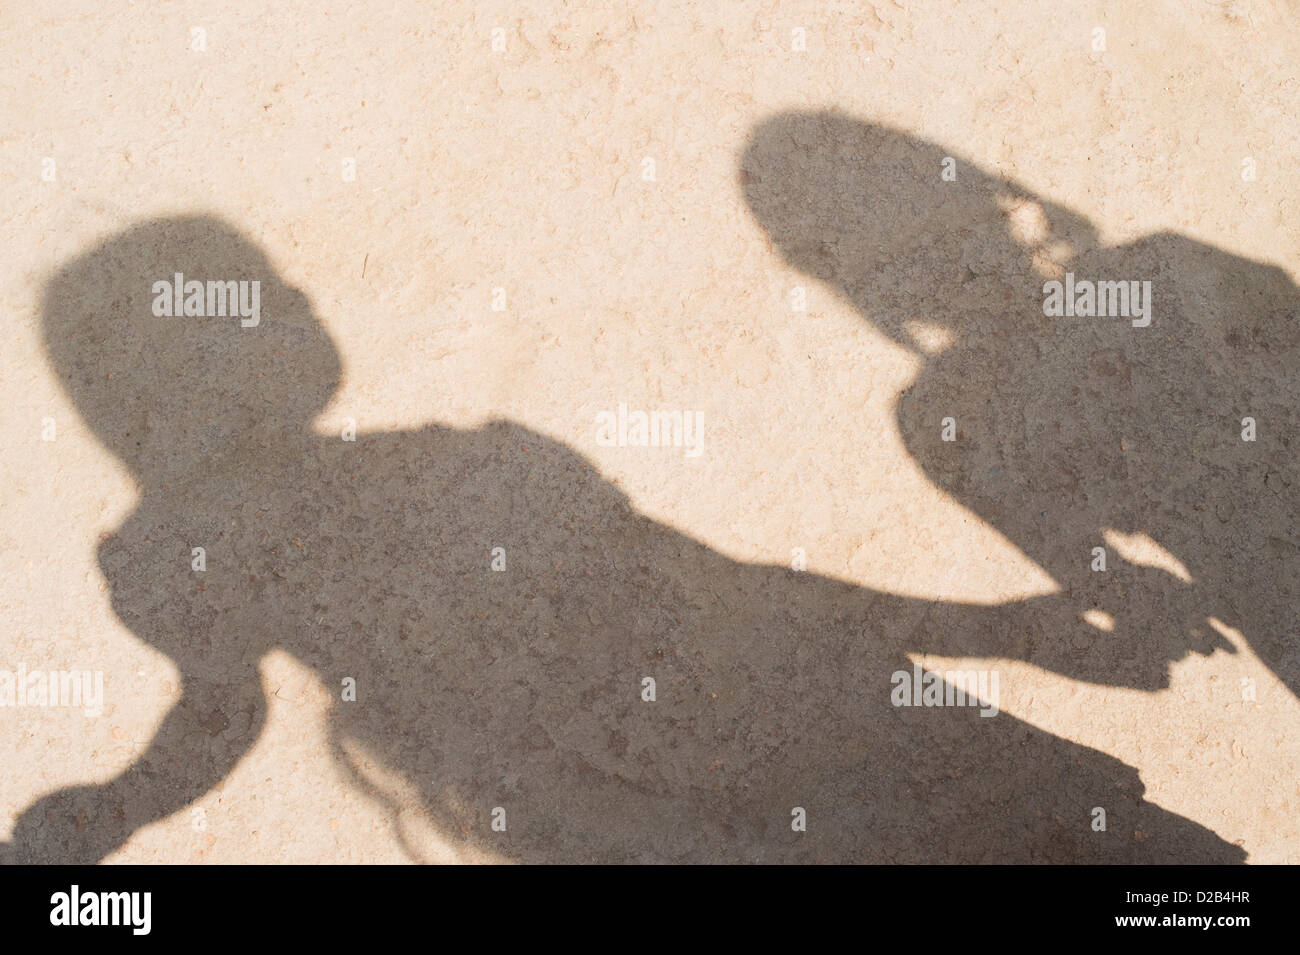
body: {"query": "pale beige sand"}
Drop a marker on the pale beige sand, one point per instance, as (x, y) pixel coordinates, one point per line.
(524, 170)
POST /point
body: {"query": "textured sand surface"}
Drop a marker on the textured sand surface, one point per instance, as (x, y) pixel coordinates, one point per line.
(736, 210)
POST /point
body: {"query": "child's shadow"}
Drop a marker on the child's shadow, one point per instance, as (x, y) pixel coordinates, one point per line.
(522, 688)
(1072, 432)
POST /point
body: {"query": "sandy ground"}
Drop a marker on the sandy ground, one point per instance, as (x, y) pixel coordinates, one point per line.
(468, 253)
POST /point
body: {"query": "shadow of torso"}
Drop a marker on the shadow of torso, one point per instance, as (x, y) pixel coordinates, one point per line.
(1077, 431)
(1072, 431)
(522, 688)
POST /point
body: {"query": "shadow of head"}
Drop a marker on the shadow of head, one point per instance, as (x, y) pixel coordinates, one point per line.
(888, 219)
(177, 339)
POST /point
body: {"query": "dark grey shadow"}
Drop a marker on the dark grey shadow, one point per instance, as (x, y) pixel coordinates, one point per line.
(522, 689)
(1068, 426)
